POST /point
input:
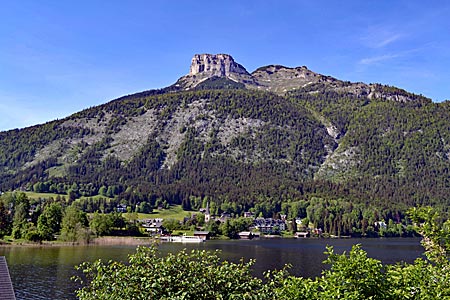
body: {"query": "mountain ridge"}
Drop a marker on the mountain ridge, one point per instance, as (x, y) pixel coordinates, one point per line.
(281, 79)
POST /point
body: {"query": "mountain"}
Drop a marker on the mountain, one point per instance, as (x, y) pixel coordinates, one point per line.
(207, 66)
(281, 79)
(242, 139)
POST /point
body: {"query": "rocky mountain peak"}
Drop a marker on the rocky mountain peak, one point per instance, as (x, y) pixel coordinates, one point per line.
(206, 66)
(221, 65)
(279, 79)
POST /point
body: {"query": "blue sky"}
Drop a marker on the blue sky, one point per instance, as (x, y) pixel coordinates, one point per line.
(59, 57)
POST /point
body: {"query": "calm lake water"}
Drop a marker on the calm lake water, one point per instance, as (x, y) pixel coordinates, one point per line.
(45, 272)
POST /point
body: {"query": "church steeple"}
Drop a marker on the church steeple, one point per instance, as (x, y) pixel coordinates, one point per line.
(207, 213)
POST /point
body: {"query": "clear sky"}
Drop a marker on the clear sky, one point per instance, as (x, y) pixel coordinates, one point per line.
(59, 57)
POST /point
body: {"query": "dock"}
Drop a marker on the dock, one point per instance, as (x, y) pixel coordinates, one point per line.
(6, 287)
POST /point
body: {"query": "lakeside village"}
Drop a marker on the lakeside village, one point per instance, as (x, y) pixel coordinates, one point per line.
(247, 227)
(38, 219)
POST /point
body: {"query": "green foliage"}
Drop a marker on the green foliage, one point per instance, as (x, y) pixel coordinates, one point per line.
(118, 220)
(194, 275)
(32, 234)
(393, 144)
(421, 280)
(97, 203)
(231, 227)
(20, 219)
(430, 278)
(74, 225)
(49, 222)
(436, 234)
(20, 145)
(108, 224)
(5, 220)
(354, 276)
(101, 224)
(213, 227)
(170, 225)
(145, 208)
(202, 275)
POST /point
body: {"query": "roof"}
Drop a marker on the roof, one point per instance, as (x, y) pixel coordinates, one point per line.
(6, 287)
(201, 232)
(245, 233)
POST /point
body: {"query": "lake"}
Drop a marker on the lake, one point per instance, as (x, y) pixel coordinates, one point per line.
(45, 272)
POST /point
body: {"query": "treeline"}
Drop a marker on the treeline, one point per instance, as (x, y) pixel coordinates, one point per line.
(333, 216)
(48, 219)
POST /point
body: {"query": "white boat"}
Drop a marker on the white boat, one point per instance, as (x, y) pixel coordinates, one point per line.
(182, 239)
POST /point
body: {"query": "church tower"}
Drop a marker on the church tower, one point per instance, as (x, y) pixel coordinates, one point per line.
(207, 213)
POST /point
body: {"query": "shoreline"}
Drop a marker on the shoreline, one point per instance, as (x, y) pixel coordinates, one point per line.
(138, 241)
(109, 240)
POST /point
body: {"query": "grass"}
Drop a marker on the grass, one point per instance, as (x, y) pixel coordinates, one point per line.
(96, 197)
(173, 212)
(34, 195)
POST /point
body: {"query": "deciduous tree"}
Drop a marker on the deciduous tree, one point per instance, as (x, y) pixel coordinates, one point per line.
(74, 225)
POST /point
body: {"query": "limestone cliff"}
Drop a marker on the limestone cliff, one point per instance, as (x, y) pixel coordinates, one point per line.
(205, 66)
(280, 79)
(215, 65)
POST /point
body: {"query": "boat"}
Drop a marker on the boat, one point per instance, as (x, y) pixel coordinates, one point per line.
(182, 239)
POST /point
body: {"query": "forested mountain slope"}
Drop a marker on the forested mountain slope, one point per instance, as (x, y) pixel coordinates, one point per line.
(273, 136)
(387, 149)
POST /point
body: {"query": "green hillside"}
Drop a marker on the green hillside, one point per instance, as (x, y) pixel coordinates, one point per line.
(342, 150)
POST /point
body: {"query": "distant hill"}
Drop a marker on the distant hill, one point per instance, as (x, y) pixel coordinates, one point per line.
(272, 136)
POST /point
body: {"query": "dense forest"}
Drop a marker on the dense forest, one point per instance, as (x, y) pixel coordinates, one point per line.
(341, 160)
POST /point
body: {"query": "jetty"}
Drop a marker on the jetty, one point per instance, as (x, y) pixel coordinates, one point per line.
(6, 287)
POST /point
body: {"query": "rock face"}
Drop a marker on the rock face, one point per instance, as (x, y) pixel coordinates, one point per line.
(280, 79)
(205, 66)
(274, 78)
(216, 65)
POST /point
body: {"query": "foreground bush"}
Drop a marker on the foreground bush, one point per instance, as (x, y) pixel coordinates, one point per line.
(194, 275)
(202, 275)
